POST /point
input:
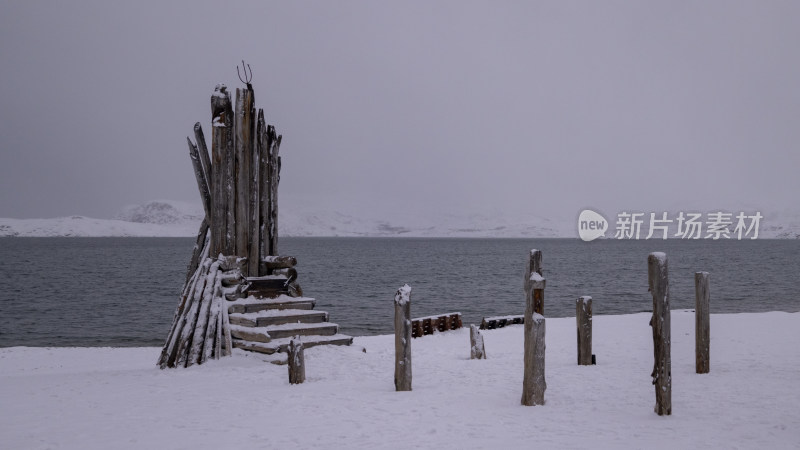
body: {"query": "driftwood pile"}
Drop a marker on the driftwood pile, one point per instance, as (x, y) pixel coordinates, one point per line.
(237, 244)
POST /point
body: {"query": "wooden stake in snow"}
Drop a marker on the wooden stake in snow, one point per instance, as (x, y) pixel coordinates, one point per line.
(297, 363)
(402, 339)
(658, 281)
(702, 333)
(476, 348)
(583, 318)
(533, 383)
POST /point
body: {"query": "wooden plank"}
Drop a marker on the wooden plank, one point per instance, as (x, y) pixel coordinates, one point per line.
(402, 339)
(202, 149)
(243, 143)
(534, 384)
(263, 143)
(702, 319)
(297, 363)
(658, 281)
(476, 348)
(190, 317)
(221, 147)
(583, 319)
(254, 224)
(169, 350)
(199, 175)
(279, 262)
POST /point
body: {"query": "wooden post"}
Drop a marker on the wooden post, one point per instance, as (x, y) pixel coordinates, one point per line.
(583, 318)
(533, 384)
(221, 149)
(297, 364)
(274, 180)
(254, 221)
(476, 347)
(243, 139)
(702, 332)
(658, 281)
(402, 339)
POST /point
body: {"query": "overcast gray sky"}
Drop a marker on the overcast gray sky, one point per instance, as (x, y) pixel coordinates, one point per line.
(417, 106)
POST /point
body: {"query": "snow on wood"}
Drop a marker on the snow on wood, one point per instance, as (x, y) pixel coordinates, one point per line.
(533, 383)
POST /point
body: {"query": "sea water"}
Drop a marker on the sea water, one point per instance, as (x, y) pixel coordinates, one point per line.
(123, 291)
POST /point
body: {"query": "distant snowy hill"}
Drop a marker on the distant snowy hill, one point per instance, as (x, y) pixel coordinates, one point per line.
(172, 219)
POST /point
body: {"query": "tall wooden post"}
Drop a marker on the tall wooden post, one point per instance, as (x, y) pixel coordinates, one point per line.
(658, 281)
(402, 339)
(222, 157)
(583, 319)
(702, 331)
(244, 122)
(533, 383)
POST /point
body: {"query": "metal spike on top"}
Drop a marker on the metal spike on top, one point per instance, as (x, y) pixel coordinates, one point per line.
(247, 78)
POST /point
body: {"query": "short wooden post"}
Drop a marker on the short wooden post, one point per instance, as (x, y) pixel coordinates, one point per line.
(583, 319)
(402, 339)
(702, 333)
(297, 363)
(658, 281)
(533, 383)
(476, 347)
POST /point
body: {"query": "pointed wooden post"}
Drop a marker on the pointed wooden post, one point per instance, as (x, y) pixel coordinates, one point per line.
(658, 281)
(583, 318)
(402, 339)
(476, 347)
(702, 332)
(222, 161)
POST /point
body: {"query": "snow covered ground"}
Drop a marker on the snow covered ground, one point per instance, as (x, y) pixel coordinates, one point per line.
(116, 398)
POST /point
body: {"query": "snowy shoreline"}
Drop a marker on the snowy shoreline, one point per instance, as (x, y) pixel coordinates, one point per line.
(117, 398)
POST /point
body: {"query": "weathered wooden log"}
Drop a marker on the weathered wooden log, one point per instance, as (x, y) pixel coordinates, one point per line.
(658, 281)
(476, 347)
(202, 149)
(201, 326)
(199, 175)
(169, 351)
(297, 363)
(243, 142)
(254, 221)
(190, 316)
(583, 319)
(533, 383)
(402, 339)
(263, 143)
(279, 262)
(702, 329)
(274, 180)
(221, 155)
(200, 249)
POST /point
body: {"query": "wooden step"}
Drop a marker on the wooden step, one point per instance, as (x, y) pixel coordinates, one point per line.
(259, 334)
(278, 317)
(255, 304)
(279, 345)
(301, 329)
